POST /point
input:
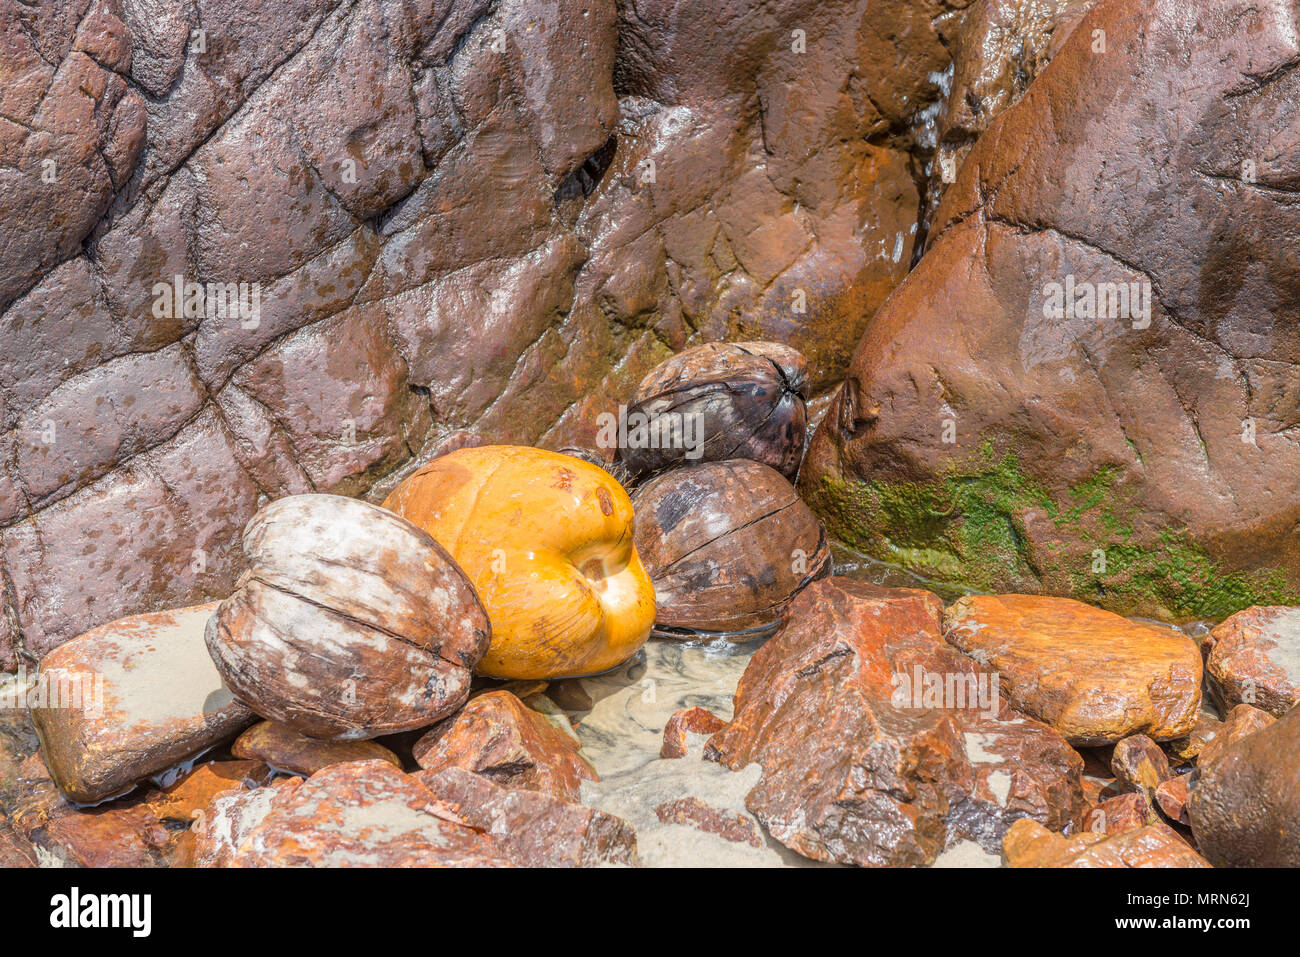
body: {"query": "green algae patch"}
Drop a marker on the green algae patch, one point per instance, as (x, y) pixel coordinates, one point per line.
(970, 526)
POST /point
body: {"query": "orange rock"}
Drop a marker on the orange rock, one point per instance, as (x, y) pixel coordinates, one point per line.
(686, 722)
(1242, 721)
(498, 736)
(152, 699)
(15, 850)
(184, 798)
(1254, 658)
(122, 833)
(282, 747)
(1171, 798)
(1028, 844)
(547, 541)
(1092, 675)
(1120, 813)
(1139, 764)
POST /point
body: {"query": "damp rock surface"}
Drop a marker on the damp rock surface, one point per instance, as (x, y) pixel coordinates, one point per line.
(1092, 675)
(148, 696)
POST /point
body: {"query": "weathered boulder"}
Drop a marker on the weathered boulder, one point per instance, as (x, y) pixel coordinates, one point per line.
(1242, 721)
(1092, 675)
(1029, 844)
(130, 699)
(1133, 447)
(727, 545)
(878, 742)
(1254, 658)
(370, 814)
(285, 749)
(1246, 802)
(532, 828)
(349, 623)
(498, 736)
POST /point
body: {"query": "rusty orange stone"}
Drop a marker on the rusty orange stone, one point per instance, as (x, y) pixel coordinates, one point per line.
(280, 746)
(1028, 844)
(498, 736)
(1092, 675)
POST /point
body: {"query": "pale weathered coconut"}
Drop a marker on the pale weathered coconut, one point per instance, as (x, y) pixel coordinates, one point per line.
(727, 545)
(728, 400)
(350, 622)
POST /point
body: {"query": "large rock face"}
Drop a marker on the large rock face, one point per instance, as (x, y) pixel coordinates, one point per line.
(1141, 462)
(448, 214)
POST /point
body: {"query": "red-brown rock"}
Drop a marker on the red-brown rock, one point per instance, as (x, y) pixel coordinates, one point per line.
(15, 850)
(498, 736)
(1242, 721)
(363, 814)
(1029, 844)
(861, 767)
(531, 828)
(369, 814)
(131, 699)
(1139, 764)
(692, 812)
(121, 833)
(1254, 658)
(1138, 455)
(285, 749)
(684, 723)
(1022, 768)
(1172, 799)
(1246, 801)
(1120, 813)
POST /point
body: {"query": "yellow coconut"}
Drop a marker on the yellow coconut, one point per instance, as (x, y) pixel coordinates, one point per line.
(547, 541)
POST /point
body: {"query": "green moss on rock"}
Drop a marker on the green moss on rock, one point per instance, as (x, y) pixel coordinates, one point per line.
(968, 527)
